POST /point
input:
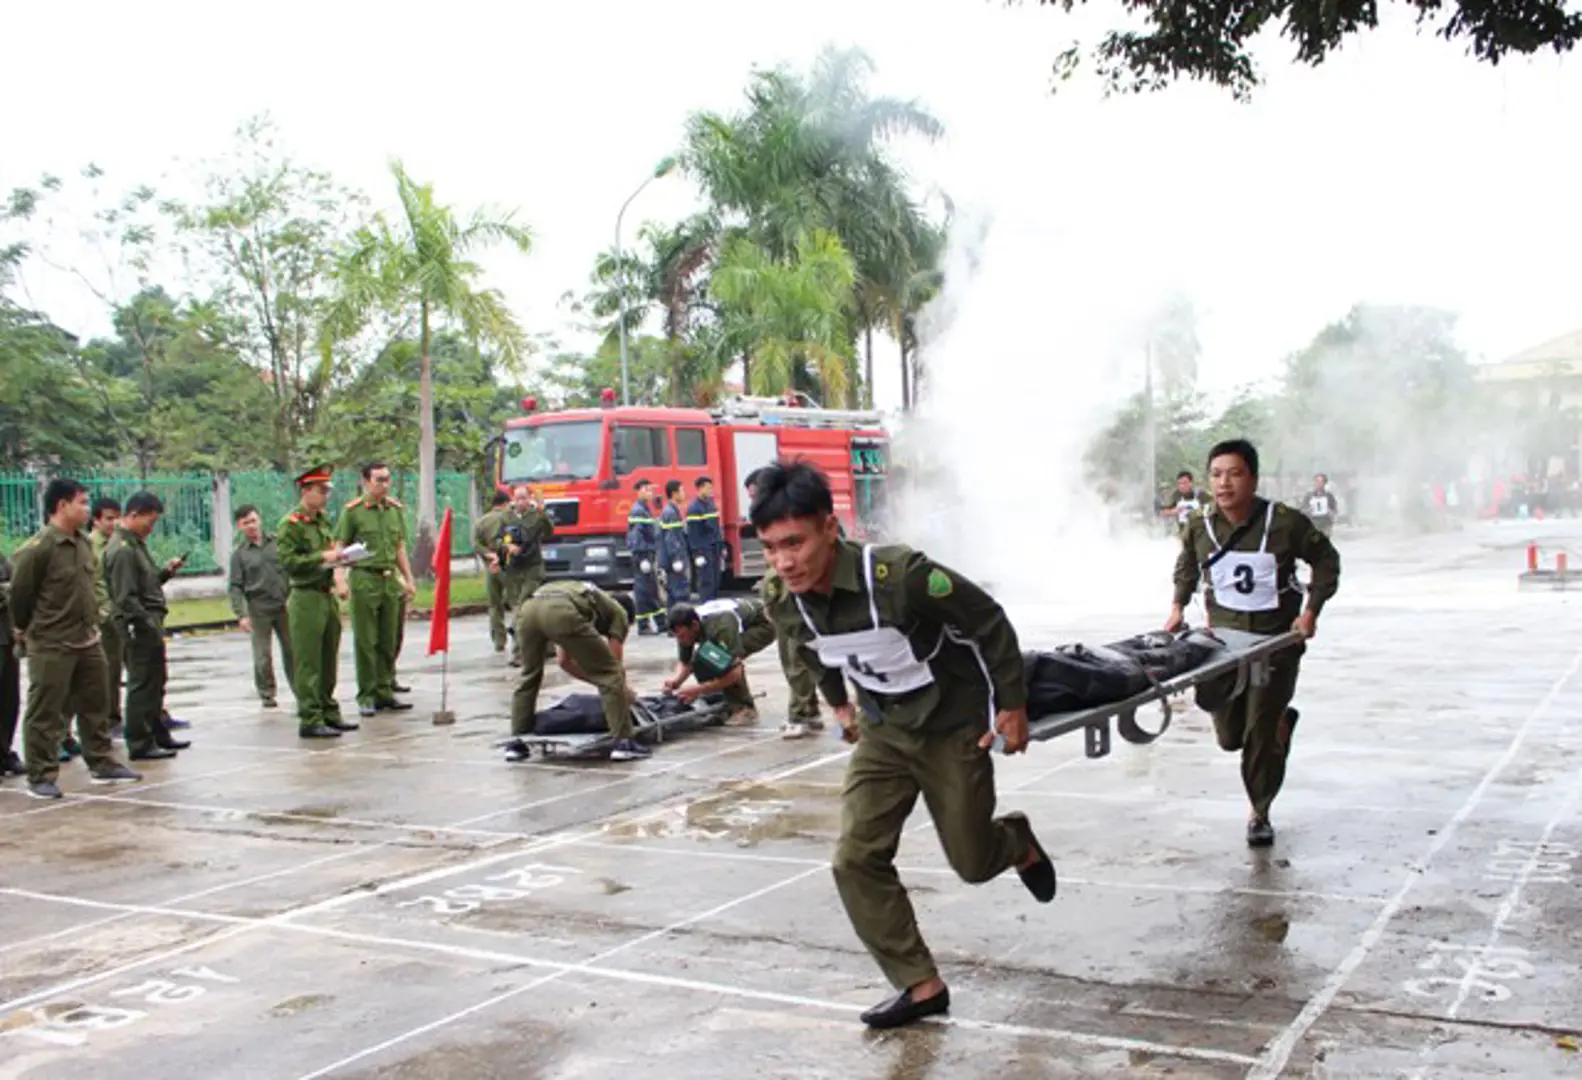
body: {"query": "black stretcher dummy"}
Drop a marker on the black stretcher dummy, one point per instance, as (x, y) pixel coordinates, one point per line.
(583, 714)
(1074, 677)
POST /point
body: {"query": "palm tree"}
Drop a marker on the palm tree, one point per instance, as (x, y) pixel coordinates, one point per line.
(808, 153)
(792, 308)
(418, 267)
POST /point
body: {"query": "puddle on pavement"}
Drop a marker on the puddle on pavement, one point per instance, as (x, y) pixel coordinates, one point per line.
(746, 813)
(293, 1006)
(1272, 927)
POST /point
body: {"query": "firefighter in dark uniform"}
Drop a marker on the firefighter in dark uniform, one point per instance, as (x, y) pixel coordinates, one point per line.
(705, 539)
(1247, 547)
(1322, 506)
(736, 629)
(673, 556)
(927, 725)
(642, 543)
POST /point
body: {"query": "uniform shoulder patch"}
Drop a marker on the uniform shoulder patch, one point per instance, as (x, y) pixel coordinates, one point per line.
(395, 502)
(881, 571)
(939, 584)
(355, 502)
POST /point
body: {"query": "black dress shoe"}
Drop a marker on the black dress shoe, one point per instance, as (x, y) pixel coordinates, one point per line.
(340, 723)
(156, 753)
(318, 731)
(1259, 833)
(398, 688)
(393, 705)
(902, 1010)
(1040, 877)
(176, 744)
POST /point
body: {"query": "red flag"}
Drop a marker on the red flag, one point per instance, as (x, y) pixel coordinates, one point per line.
(439, 624)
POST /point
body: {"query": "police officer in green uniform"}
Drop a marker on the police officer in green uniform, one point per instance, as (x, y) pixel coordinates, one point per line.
(736, 629)
(258, 593)
(587, 628)
(305, 544)
(1247, 547)
(939, 677)
(106, 514)
(520, 550)
(1184, 501)
(137, 592)
(379, 585)
(802, 716)
(485, 536)
(54, 609)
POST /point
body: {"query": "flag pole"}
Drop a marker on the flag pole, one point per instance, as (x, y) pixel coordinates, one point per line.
(439, 624)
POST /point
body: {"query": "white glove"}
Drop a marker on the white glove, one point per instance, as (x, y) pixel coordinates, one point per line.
(645, 567)
(700, 560)
(678, 566)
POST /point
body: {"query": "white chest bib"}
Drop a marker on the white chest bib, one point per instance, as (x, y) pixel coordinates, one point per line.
(715, 607)
(878, 659)
(1318, 505)
(1184, 510)
(1246, 580)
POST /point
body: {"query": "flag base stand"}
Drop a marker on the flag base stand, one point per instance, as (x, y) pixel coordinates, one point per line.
(443, 717)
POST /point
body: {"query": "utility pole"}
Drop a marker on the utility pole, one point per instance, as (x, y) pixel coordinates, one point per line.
(620, 270)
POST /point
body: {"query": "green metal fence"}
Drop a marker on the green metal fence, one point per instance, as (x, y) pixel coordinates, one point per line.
(188, 525)
(275, 495)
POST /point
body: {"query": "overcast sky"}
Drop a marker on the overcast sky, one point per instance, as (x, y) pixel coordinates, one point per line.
(1400, 172)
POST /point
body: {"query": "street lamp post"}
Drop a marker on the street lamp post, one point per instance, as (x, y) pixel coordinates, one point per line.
(661, 169)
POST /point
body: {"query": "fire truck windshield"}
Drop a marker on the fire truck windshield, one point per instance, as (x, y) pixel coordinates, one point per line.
(548, 452)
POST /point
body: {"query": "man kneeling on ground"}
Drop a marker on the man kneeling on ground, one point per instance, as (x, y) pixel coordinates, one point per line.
(714, 641)
(588, 628)
(939, 675)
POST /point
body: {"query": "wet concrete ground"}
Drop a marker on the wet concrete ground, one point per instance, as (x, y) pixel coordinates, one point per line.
(402, 903)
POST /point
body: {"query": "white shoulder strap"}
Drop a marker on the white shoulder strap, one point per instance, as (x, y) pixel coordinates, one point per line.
(867, 577)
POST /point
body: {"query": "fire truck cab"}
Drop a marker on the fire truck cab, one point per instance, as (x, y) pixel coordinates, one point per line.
(583, 466)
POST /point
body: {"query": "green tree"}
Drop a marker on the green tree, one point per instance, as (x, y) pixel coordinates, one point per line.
(1208, 39)
(793, 310)
(262, 240)
(809, 153)
(48, 415)
(417, 268)
(368, 417)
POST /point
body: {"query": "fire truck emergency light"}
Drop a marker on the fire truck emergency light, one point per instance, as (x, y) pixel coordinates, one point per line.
(529, 404)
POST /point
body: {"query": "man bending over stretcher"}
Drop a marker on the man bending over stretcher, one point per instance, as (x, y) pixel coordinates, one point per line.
(1247, 547)
(588, 628)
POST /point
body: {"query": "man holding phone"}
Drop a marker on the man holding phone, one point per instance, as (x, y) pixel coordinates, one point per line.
(137, 596)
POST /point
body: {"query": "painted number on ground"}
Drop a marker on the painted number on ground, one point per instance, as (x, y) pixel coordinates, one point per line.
(1531, 863)
(69, 1027)
(512, 885)
(1482, 969)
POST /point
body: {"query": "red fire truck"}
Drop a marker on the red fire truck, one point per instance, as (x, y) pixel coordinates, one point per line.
(582, 464)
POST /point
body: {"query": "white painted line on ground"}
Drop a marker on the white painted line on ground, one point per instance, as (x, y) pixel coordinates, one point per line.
(593, 969)
(1275, 1056)
(547, 842)
(77, 799)
(817, 867)
(945, 871)
(1508, 907)
(1165, 798)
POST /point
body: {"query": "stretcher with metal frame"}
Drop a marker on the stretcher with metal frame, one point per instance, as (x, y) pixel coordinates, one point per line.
(647, 727)
(1245, 655)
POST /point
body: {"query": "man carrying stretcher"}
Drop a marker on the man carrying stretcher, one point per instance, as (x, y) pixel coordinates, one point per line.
(1248, 546)
(939, 674)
